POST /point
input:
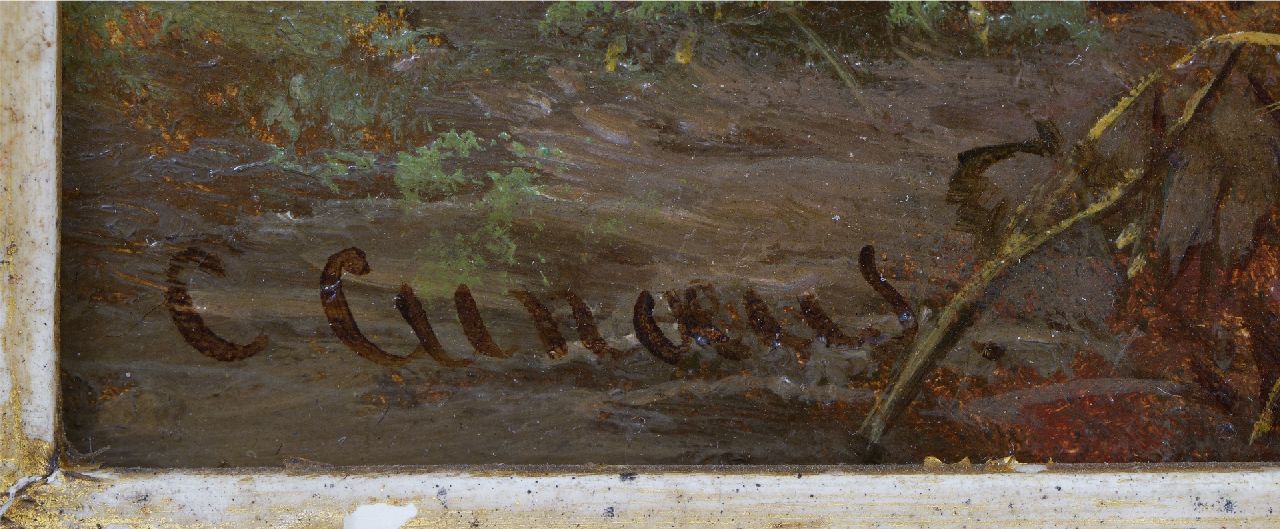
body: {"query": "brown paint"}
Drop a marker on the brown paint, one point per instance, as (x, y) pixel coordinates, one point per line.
(733, 348)
(1256, 278)
(901, 308)
(1220, 392)
(588, 333)
(1264, 97)
(473, 325)
(818, 320)
(761, 319)
(545, 322)
(190, 323)
(697, 323)
(684, 323)
(650, 335)
(990, 350)
(969, 184)
(351, 260)
(410, 308)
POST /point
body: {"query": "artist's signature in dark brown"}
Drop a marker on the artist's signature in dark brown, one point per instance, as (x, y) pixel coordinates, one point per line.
(697, 323)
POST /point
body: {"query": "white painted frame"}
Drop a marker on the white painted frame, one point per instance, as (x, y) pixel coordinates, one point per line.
(44, 492)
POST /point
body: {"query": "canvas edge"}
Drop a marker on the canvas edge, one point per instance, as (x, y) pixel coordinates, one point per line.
(41, 495)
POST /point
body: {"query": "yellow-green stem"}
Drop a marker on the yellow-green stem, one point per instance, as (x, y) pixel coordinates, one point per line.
(841, 69)
(952, 320)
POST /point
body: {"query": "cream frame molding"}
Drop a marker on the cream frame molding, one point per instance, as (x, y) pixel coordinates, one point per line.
(37, 490)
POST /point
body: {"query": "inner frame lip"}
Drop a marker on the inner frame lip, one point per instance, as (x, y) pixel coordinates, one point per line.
(35, 423)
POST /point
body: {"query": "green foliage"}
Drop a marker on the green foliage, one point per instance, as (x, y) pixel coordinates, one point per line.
(468, 258)
(267, 30)
(573, 18)
(445, 263)
(331, 165)
(280, 114)
(435, 171)
(440, 171)
(507, 193)
(271, 33)
(629, 35)
(400, 39)
(294, 81)
(1019, 23)
(922, 15)
(1034, 21)
(423, 171)
(593, 20)
(344, 101)
(638, 36)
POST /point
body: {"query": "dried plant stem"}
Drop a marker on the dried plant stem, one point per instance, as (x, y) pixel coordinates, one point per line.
(1265, 420)
(956, 316)
(840, 67)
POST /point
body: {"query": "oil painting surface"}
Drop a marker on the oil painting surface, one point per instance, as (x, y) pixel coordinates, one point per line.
(669, 233)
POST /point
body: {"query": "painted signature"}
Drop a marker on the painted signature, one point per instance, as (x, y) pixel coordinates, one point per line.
(697, 323)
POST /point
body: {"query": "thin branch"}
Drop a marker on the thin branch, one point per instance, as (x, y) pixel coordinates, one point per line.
(842, 70)
(1269, 104)
(956, 315)
(1265, 420)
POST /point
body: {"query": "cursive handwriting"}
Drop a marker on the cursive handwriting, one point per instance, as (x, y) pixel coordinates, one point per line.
(696, 323)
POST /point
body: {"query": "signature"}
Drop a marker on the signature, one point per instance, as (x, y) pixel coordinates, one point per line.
(698, 323)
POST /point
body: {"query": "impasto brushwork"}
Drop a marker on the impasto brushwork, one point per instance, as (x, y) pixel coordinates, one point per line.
(670, 233)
